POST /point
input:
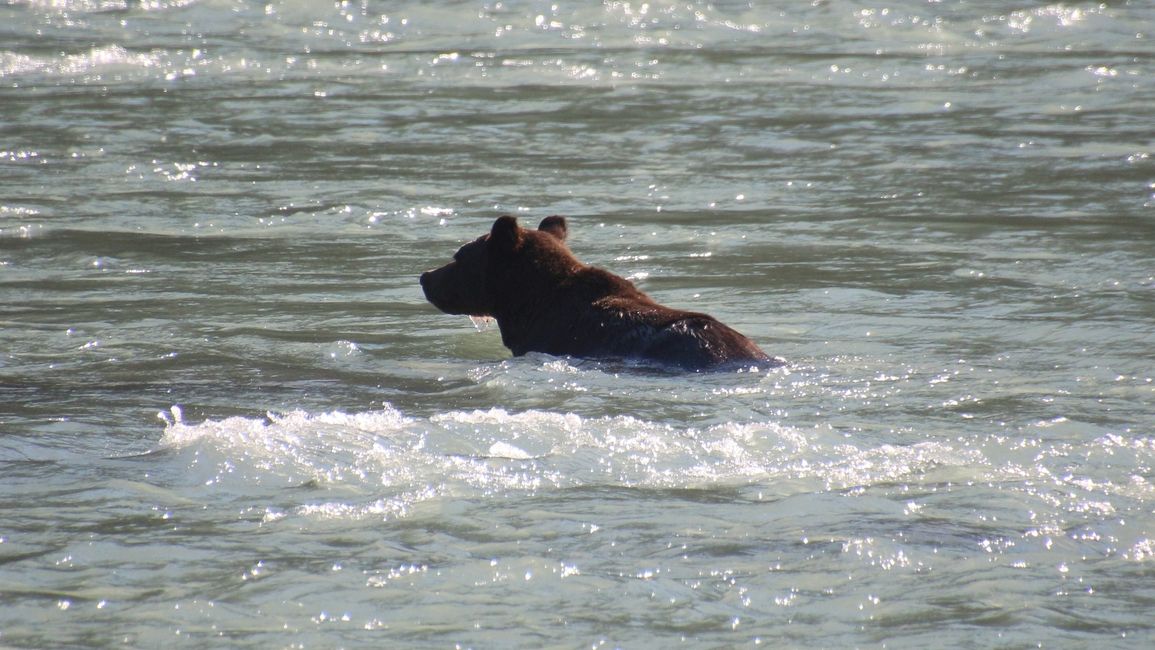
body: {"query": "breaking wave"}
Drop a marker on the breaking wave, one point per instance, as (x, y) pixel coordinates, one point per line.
(397, 461)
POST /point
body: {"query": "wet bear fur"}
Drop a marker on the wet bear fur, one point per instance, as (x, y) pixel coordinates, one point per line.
(545, 300)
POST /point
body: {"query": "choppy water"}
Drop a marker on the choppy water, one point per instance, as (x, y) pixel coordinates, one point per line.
(214, 211)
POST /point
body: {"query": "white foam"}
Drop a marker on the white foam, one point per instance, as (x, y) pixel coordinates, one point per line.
(384, 463)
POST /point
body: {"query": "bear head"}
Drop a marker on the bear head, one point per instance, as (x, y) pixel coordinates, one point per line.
(489, 268)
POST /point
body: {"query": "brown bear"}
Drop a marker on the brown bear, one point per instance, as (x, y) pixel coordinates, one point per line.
(545, 300)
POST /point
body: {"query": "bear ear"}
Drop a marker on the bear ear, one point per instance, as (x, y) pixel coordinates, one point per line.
(555, 226)
(505, 234)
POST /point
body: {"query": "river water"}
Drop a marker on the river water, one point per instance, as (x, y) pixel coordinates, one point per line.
(229, 419)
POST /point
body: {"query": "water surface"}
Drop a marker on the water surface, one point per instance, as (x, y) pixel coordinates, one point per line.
(229, 419)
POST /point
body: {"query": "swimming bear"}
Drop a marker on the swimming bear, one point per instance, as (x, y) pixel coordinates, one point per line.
(545, 300)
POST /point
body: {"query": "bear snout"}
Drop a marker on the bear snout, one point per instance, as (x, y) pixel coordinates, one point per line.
(455, 292)
(429, 286)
